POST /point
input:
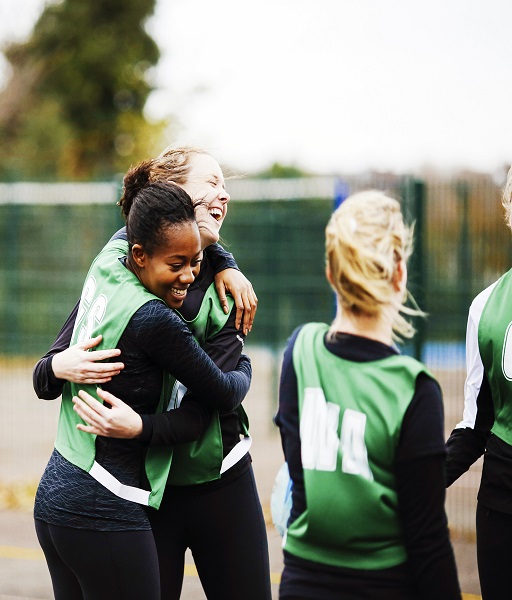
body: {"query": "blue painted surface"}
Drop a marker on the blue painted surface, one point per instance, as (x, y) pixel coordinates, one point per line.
(443, 355)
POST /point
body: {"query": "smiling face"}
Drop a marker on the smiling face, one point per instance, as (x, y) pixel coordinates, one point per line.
(173, 266)
(205, 185)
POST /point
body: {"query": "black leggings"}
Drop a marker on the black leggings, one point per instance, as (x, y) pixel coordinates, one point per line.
(300, 581)
(100, 565)
(494, 551)
(223, 525)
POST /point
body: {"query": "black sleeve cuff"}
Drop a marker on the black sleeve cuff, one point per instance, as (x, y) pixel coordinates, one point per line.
(147, 429)
(46, 385)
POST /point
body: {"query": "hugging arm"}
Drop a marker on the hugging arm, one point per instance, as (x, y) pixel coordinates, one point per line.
(62, 363)
(225, 351)
(118, 420)
(46, 385)
(170, 344)
(77, 363)
(173, 347)
(219, 258)
(230, 280)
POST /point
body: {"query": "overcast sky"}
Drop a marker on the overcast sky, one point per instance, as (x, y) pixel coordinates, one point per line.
(331, 85)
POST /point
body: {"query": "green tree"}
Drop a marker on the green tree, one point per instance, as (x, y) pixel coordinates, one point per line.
(279, 171)
(73, 106)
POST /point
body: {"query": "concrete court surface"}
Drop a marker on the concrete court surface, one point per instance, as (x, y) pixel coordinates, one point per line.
(27, 434)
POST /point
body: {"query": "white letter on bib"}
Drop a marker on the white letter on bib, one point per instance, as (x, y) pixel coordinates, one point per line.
(506, 361)
(353, 448)
(318, 431)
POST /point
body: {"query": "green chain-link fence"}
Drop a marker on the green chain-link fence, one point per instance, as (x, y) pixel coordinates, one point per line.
(50, 233)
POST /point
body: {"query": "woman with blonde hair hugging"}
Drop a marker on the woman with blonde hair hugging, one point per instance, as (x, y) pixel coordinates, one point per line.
(362, 430)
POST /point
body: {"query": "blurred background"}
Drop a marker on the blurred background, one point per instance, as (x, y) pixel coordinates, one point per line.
(302, 103)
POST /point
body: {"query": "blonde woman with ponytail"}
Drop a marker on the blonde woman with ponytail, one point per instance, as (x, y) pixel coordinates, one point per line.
(362, 430)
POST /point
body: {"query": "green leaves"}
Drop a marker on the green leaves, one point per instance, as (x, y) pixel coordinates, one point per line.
(73, 108)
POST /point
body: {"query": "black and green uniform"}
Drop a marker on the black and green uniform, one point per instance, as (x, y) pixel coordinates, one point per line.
(486, 429)
(153, 340)
(495, 346)
(363, 437)
(207, 517)
(111, 295)
(348, 454)
(206, 458)
(95, 508)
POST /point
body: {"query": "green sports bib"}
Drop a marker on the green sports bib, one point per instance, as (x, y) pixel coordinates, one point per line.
(110, 297)
(350, 421)
(202, 460)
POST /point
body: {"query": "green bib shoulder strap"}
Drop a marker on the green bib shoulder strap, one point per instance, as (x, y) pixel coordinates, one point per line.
(211, 317)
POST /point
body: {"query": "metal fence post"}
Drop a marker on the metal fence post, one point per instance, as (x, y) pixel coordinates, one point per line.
(464, 257)
(413, 207)
(13, 273)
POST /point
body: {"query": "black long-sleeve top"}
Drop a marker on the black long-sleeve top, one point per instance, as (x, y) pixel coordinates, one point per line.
(419, 471)
(154, 340)
(190, 420)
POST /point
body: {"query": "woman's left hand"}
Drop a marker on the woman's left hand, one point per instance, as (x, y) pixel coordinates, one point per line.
(236, 283)
(119, 421)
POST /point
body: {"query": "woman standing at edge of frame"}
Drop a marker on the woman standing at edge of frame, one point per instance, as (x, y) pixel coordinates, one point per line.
(362, 430)
(486, 426)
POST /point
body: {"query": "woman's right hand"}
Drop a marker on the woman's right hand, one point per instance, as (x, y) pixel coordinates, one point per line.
(234, 282)
(118, 421)
(78, 365)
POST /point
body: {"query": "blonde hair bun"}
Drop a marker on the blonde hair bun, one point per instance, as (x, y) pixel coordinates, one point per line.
(365, 240)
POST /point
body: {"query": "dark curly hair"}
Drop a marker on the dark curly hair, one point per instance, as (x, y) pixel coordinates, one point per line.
(150, 208)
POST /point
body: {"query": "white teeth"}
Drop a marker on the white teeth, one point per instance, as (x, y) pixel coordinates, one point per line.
(216, 213)
(178, 292)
